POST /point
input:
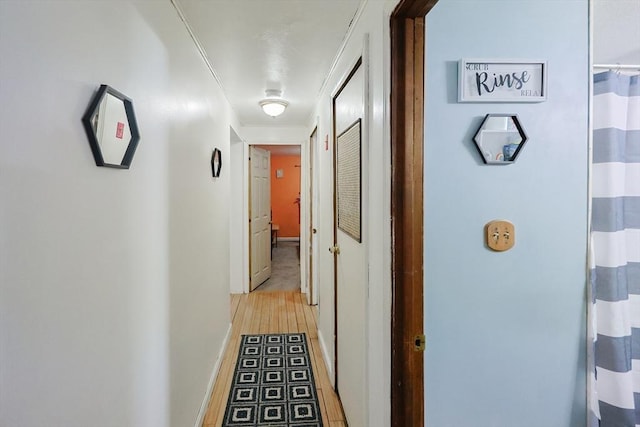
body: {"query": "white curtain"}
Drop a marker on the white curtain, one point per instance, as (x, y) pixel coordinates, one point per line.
(615, 252)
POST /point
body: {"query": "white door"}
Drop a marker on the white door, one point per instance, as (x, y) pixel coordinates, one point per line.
(350, 248)
(260, 218)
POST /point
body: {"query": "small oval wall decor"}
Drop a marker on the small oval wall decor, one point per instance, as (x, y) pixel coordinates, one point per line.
(110, 124)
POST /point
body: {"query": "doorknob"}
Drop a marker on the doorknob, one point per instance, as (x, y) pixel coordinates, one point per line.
(334, 249)
(314, 231)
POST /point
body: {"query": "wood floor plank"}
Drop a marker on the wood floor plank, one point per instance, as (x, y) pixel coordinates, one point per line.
(235, 302)
(265, 315)
(320, 367)
(332, 403)
(274, 324)
(300, 320)
(256, 306)
(291, 313)
(273, 312)
(323, 408)
(310, 320)
(282, 314)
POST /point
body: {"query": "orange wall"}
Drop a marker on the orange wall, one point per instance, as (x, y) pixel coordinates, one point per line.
(284, 192)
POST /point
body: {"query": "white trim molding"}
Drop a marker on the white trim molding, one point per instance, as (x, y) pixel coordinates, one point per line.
(212, 380)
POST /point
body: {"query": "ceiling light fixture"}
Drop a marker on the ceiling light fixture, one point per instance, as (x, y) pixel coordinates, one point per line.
(273, 105)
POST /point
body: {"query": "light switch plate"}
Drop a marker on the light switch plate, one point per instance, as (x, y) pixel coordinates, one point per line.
(500, 235)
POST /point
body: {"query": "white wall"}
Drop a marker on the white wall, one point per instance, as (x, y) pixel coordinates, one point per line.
(374, 21)
(616, 32)
(113, 283)
(506, 331)
(254, 135)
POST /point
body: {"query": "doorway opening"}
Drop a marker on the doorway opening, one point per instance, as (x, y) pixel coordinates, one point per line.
(407, 139)
(312, 290)
(283, 198)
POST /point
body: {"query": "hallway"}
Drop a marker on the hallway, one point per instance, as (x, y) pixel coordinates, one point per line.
(285, 268)
(273, 312)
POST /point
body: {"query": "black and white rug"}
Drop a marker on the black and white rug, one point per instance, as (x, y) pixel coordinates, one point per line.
(273, 384)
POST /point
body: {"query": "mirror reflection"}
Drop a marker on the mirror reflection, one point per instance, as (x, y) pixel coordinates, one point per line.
(500, 138)
(111, 128)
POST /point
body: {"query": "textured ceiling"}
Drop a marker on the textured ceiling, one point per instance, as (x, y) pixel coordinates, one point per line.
(255, 45)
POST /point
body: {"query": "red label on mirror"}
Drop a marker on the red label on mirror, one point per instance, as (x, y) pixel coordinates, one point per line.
(120, 130)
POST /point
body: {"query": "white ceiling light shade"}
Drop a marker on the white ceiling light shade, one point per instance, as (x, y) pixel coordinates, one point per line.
(273, 105)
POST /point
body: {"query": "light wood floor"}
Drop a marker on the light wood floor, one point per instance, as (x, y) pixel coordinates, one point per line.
(273, 312)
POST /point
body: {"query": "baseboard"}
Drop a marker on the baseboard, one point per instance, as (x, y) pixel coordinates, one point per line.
(288, 239)
(212, 380)
(327, 359)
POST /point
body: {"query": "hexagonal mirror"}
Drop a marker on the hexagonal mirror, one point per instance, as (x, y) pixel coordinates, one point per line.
(110, 124)
(500, 139)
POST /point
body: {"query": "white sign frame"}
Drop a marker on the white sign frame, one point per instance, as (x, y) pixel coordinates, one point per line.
(502, 80)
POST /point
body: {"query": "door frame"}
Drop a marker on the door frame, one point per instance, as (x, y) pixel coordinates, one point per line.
(311, 155)
(407, 181)
(252, 286)
(343, 83)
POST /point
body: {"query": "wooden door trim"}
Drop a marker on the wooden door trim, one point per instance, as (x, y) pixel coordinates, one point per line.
(407, 134)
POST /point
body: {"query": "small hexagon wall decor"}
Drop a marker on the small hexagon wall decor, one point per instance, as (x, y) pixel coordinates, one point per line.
(216, 162)
(500, 139)
(110, 124)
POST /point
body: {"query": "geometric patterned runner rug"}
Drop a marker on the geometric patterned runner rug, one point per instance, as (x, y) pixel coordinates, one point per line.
(273, 384)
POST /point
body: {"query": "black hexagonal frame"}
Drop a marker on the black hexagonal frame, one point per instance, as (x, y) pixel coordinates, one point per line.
(90, 120)
(512, 149)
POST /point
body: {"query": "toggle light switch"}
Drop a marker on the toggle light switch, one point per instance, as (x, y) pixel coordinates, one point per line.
(501, 235)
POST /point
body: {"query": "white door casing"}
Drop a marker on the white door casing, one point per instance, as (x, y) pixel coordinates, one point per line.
(312, 292)
(260, 218)
(351, 272)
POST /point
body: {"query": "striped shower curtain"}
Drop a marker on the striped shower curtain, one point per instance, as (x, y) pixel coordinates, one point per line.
(615, 252)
